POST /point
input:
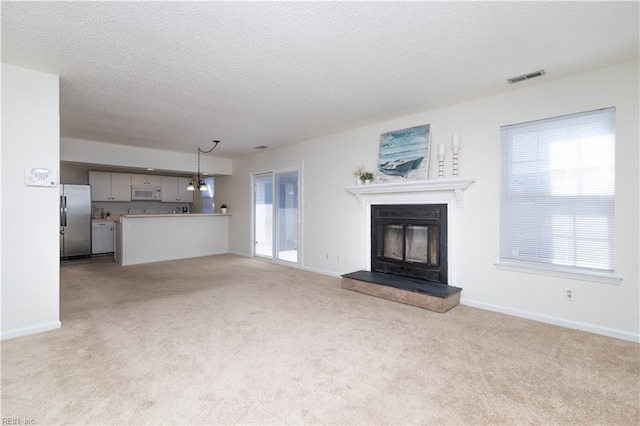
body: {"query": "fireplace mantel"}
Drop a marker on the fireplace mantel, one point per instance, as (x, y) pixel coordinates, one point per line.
(456, 185)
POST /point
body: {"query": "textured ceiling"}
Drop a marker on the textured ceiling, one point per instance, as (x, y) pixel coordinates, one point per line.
(175, 75)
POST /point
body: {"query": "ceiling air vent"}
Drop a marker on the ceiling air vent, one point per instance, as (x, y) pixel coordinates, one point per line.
(261, 147)
(523, 77)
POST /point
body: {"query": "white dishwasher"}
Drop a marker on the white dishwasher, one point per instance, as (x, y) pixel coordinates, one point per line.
(101, 236)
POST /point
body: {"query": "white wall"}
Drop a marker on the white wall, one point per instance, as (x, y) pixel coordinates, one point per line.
(30, 238)
(334, 223)
(92, 152)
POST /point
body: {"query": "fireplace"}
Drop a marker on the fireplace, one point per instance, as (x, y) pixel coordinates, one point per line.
(408, 257)
(409, 243)
(410, 240)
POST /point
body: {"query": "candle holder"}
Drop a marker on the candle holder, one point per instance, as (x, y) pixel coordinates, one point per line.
(442, 150)
(455, 147)
(455, 162)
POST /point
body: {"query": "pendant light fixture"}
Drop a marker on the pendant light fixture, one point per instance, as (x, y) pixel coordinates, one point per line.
(199, 183)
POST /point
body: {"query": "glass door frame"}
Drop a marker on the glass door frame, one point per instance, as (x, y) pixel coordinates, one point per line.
(274, 256)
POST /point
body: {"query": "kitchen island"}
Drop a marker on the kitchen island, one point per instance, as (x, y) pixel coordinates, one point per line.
(159, 237)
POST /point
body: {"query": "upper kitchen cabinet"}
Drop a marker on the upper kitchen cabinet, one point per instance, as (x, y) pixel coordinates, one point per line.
(174, 190)
(110, 186)
(146, 180)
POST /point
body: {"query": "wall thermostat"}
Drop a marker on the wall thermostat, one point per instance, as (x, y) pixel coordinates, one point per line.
(40, 176)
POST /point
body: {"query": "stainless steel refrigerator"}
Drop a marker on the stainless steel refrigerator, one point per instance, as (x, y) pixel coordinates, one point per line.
(75, 220)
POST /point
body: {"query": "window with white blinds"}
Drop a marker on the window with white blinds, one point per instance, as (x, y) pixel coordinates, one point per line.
(558, 193)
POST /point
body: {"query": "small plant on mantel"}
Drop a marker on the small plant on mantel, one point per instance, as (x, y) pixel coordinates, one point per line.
(366, 176)
(223, 207)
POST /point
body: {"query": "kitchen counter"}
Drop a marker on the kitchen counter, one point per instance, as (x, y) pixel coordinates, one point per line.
(145, 238)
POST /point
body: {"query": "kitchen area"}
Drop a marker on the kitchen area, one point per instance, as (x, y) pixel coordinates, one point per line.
(137, 218)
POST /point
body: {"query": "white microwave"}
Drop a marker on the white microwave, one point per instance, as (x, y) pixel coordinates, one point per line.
(146, 193)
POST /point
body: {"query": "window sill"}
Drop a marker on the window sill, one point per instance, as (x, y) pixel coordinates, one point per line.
(550, 271)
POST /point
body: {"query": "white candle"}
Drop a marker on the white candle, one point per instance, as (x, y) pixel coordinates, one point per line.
(441, 150)
(455, 142)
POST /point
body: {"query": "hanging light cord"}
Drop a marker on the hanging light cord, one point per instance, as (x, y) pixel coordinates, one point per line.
(215, 144)
(214, 147)
(200, 182)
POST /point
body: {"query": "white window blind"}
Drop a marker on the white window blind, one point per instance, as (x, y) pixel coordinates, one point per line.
(558, 193)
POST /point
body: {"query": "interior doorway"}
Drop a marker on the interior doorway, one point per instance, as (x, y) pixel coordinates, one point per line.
(276, 215)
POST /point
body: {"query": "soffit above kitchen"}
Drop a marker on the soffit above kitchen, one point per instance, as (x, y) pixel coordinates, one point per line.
(175, 75)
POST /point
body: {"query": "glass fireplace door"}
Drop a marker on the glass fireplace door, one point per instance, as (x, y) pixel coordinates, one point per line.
(410, 240)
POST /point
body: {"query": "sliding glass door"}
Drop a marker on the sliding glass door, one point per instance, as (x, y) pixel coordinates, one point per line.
(276, 215)
(263, 215)
(286, 214)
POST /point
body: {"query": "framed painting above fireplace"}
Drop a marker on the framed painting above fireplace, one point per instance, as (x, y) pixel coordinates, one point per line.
(404, 154)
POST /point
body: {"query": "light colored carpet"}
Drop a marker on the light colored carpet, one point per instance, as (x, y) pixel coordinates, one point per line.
(227, 340)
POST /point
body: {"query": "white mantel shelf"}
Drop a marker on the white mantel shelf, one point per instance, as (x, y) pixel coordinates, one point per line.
(456, 185)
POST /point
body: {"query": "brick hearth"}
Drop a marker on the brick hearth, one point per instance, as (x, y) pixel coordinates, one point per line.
(432, 296)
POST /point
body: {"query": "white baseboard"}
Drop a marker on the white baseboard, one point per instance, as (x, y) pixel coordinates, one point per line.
(26, 331)
(322, 271)
(618, 334)
(303, 267)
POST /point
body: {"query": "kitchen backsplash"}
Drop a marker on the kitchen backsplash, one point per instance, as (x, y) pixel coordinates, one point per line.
(119, 208)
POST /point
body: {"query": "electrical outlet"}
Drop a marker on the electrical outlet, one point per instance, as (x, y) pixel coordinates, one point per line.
(569, 294)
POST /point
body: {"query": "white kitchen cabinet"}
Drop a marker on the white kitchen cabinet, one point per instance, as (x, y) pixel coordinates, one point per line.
(174, 190)
(184, 195)
(150, 180)
(110, 186)
(102, 237)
